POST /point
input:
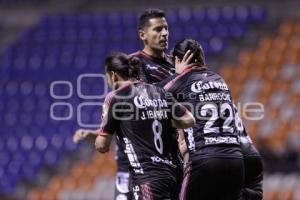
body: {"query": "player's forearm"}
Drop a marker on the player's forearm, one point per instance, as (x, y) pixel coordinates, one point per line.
(82, 134)
(93, 133)
(102, 143)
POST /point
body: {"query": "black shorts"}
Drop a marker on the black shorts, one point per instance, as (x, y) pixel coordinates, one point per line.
(213, 179)
(160, 189)
(253, 178)
(122, 183)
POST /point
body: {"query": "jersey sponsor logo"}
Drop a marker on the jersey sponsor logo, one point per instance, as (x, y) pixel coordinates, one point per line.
(190, 137)
(215, 97)
(199, 86)
(132, 157)
(143, 102)
(221, 140)
(156, 159)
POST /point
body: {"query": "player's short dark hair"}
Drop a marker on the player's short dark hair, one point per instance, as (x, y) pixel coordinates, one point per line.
(189, 44)
(126, 66)
(149, 14)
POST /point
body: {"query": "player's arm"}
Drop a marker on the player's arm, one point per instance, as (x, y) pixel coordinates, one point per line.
(82, 134)
(108, 125)
(102, 142)
(185, 121)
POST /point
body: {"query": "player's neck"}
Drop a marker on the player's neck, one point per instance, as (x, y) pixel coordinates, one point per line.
(154, 53)
(123, 83)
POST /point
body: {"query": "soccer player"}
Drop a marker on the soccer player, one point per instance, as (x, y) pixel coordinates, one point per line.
(215, 169)
(153, 32)
(156, 67)
(141, 115)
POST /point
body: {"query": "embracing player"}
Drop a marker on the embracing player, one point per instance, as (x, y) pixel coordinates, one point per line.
(157, 66)
(215, 168)
(142, 115)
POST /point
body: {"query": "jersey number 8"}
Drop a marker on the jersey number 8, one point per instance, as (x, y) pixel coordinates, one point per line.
(157, 131)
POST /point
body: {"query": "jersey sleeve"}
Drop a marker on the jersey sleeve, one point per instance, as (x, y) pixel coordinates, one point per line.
(109, 122)
(171, 84)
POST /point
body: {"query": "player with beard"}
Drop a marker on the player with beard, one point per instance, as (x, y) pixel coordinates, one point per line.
(215, 168)
(157, 66)
(153, 31)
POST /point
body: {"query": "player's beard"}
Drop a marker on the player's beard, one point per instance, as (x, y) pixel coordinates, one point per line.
(162, 46)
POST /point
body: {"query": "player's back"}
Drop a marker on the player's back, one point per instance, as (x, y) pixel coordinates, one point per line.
(145, 129)
(214, 151)
(209, 99)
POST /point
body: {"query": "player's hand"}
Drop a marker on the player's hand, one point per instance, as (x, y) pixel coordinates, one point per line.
(180, 65)
(79, 135)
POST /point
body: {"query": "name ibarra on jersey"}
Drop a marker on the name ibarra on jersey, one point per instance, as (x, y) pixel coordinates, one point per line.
(155, 114)
(199, 86)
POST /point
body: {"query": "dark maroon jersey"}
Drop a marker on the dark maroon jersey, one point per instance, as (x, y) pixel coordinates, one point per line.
(140, 114)
(208, 97)
(154, 69)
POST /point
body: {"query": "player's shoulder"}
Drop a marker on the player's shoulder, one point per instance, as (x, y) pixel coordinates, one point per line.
(124, 89)
(152, 87)
(178, 79)
(138, 54)
(118, 93)
(211, 74)
(144, 58)
(109, 98)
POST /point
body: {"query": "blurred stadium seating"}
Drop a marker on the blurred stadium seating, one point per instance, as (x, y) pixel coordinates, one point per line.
(270, 75)
(63, 46)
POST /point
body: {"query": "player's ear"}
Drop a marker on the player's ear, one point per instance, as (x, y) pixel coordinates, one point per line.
(142, 35)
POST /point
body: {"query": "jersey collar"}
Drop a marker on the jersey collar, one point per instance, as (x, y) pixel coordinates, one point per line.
(152, 57)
